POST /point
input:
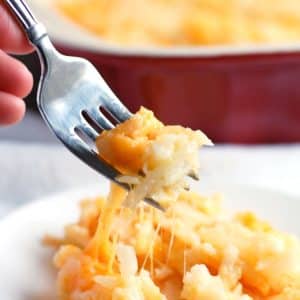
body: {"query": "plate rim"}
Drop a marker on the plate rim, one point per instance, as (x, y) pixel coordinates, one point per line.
(78, 193)
(75, 194)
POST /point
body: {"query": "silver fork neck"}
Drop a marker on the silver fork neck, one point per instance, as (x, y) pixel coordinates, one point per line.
(22, 11)
(34, 30)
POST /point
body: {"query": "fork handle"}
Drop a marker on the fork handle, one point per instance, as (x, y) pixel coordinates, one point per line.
(34, 30)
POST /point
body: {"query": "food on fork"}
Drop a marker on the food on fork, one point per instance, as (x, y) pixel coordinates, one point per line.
(192, 22)
(194, 250)
(155, 159)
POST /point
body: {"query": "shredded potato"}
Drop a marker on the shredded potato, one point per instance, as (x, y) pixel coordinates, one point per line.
(192, 22)
(155, 159)
(194, 250)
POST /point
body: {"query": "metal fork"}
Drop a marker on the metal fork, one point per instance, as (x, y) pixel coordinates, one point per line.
(70, 95)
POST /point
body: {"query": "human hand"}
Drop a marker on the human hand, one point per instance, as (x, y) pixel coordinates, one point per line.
(15, 79)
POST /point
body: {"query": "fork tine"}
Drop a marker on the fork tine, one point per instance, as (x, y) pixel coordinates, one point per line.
(82, 150)
(117, 110)
(101, 120)
(88, 130)
(155, 204)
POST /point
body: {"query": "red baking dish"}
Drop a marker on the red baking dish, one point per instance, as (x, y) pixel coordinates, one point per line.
(242, 94)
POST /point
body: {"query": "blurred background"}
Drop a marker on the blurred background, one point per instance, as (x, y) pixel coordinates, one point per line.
(230, 70)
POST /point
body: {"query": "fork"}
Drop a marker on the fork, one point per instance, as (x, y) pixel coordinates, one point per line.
(70, 95)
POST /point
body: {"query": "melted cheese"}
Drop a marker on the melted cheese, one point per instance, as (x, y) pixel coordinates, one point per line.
(194, 250)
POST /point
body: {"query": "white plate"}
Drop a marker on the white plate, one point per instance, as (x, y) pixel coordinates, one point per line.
(68, 33)
(25, 265)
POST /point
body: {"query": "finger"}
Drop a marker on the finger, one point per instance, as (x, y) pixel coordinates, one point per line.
(12, 109)
(15, 78)
(12, 39)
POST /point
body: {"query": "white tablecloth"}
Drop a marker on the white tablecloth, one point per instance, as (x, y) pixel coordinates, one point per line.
(31, 170)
